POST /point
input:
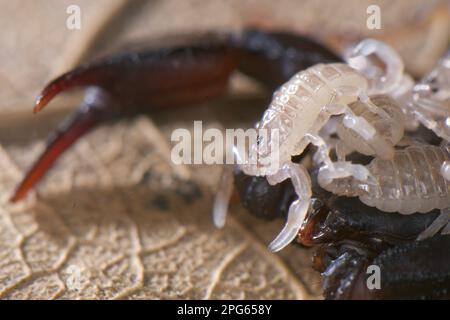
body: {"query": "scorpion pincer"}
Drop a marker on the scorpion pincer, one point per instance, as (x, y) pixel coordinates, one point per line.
(300, 110)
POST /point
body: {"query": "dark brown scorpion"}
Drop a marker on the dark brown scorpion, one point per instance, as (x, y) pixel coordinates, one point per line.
(350, 236)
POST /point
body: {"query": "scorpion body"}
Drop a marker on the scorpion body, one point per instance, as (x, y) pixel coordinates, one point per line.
(300, 110)
(410, 182)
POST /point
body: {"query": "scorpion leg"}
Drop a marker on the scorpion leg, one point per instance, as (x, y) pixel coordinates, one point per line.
(337, 106)
(430, 99)
(298, 209)
(446, 229)
(443, 220)
(132, 81)
(363, 128)
(389, 81)
(342, 150)
(335, 170)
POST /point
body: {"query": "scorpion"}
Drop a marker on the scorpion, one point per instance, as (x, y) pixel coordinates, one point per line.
(301, 108)
(366, 107)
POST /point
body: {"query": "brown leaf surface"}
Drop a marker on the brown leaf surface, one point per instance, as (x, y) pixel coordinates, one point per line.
(123, 224)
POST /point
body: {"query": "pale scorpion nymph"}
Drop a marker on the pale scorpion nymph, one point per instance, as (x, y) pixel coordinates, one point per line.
(409, 182)
(299, 110)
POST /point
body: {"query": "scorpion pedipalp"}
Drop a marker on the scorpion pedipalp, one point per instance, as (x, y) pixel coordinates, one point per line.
(430, 99)
(298, 209)
(141, 81)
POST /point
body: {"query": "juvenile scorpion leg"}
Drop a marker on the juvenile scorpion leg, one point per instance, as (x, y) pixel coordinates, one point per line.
(299, 208)
(302, 185)
(361, 126)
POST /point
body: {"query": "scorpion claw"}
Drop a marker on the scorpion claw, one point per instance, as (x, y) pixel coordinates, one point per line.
(175, 76)
(88, 115)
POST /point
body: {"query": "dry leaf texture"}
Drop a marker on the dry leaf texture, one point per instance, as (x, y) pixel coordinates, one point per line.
(121, 223)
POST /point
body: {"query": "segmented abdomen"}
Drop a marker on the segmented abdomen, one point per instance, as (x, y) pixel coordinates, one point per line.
(296, 107)
(410, 182)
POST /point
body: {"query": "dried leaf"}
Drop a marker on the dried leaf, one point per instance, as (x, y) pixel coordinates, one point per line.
(120, 223)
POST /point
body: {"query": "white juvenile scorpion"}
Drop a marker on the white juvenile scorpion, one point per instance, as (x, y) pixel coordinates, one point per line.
(301, 108)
